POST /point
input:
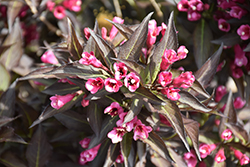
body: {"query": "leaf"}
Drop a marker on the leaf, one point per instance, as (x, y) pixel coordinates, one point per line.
(60, 88)
(14, 8)
(135, 109)
(5, 78)
(74, 46)
(113, 152)
(179, 161)
(49, 111)
(228, 39)
(15, 139)
(169, 41)
(247, 49)
(126, 145)
(73, 120)
(7, 101)
(39, 150)
(101, 155)
(202, 46)
(91, 44)
(239, 132)
(10, 58)
(123, 29)
(192, 129)
(94, 114)
(192, 101)
(158, 145)
(6, 133)
(196, 86)
(229, 112)
(131, 49)
(5, 120)
(205, 74)
(9, 159)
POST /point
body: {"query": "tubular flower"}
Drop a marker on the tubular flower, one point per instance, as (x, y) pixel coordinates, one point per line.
(182, 52)
(240, 56)
(93, 85)
(185, 80)
(171, 93)
(196, 5)
(183, 5)
(74, 5)
(168, 58)
(114, 30)
(220, 156)
(227, 134)
(88, 155)
(90, 59)
(84, 102)
(129, 125)
(239, 103)
(220, 92)
(116, 134)
(206, 149)
(190, 158)
(237, 12)
(223, 25)
(244, 32)
(58, 101)
(242, 157)
(112, 85)
(49, 57)
(86, 33)
(59, 12)
(119, 159)
(85, 142)
(132, 82)
(165, 78)
(141, 131)
(120, 70)
(193, 15)
(114, 109)
(153, 32)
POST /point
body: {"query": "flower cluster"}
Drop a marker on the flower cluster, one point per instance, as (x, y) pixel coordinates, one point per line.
(140, 130)
(59, 9)
(194, 8)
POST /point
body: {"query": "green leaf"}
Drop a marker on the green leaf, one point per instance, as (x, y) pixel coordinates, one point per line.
(169, 41)
(228, 39)
(60, 88)
(131, 49)
(205, 74)
(73, 120)
(74, 46)
(39, 150)
(5, 78)
(50, 111)
(126, 144)
(239, 132)
(135, 109)
(9, 159)
(95, 114)
(158, 145)
(202, 45)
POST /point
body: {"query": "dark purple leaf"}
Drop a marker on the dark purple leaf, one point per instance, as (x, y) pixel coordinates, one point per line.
(141, 151)
(95, 114)
(247, 49)
(205, 74)
(60, 88)
(239, 132)
(98, 95)
(9, 159)
(169, 41)
(74, 46)
(14, 8)
(240, 83)
(197, 87)
(16, 139)
(39, 149)
(6, 133)
(39, 73)
(202, 45)
(5, 120)
(135, 109)
(73, 120)
(126, 145)
(228, 39)
(113, 152)
(49, 111)
(247, 87)
(179, 161)
(131, 49)
(91, 44)
(101, 156)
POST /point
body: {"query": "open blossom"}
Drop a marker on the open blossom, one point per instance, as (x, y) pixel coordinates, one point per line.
(90, 59)
(120, 70)
(74, 5)
(239, 103)
(227, 134)
(223, 25)
(182, 52)
(220, 92)
(141, 131)
(49, 57)
(113, 30)
(244, 32)
(88, 155)
(129, 125)
(206, 149)
(184, 80)
(196, 5)
(50, 5)
(237, 12)
(183, 5)
(240, 56)
(84, 102)
(153, 32)
(193, 15)
(59, 12)
(119, 159)
(168, 58)
(116, 134)
(132, 82)
(236, 71)
(85, 142)
(58, 101)
(242, 157)
(190, 158)
(171, 93)
(93, 85)
(112, 85)
(114, 109)
(165, 78)
(220, 156)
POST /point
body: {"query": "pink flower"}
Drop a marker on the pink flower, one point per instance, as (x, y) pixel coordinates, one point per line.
(223, 25)
(93, 85)
(236, 71)
(220, 66)
(114, 109)
(202, 164)
(183, 5)
(129, 125)
(59, 12)
(114, 30)
(85, 142)
(49, 57)
(193, 15)
(185, 80)
(171, 93)
(116, 134)
(242, 157)
(120, 70)
(132, 82)
(220, 92)
(84, 102)
(220, 156)
(168, 58)
(66, 80)
(50, 5)
(165, 78)
(86, 33)
(227, 134)
(240, 56)
(224, 4)
(104, 33)
(90, 59)
(190, 158)
(88, 155)
(112, 85)
(237, 12)
(196, 5)
(164, 120)
(58, 101)
(119, 159)
(74, 5)
(153, 32)
(182, 52)
(239, 103)
(141, 131)
(244, 32)
(206, 149)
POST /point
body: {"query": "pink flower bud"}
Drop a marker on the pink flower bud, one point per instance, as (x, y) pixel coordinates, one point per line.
(104, 33)
(141, 131)
(120, 70)
(240, 58)
(183, 5)
(227, 134)
(165, 78)
(220, 156)
(93, 85)
(236, 71)
(153, 32)
(168, 58)
(220, 92)
(90, 59)
(50, 5)
(171, 93)
(185, 80)
(239, 103)
(237, 12)
(182, 52)
(86, 33)
(132, 82)
(114, 109)
(119, 159)
(116, 134)
(85, 142)
(74, 5)
(190, 158)
(206, 149)
(163, 29)
(223, 25)
(49, 57)
(114, 30)
(112, 85)
(58, 101)
(84, 102)
(59, 12)
(193, 15)
(244, 32)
